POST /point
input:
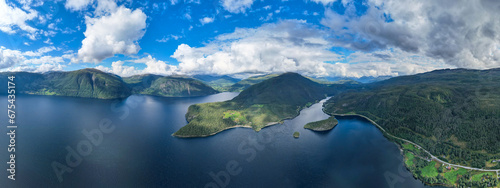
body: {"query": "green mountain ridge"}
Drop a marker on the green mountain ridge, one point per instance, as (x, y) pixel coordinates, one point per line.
(93, 83)
(171, 86)
(90, 83)
(298, 90)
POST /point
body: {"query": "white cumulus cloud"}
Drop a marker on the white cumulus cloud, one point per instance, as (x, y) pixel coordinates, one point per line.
(10, 17)
(40, 51)
(116, 33)
(236, 6)
(9, 58)
(15, 60)
(118, 68)
(206, 20)
(76, 5)
(153, 66)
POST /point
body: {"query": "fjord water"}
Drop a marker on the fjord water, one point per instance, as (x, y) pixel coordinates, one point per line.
(140, 151)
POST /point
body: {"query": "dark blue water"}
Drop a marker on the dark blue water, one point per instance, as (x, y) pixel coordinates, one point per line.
(137, 149)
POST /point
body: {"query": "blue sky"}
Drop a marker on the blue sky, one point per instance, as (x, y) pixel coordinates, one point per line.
(245, 37)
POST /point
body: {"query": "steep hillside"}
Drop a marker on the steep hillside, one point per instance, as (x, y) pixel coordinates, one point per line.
(454, 114)
(288, 88)
(24, 81)
(90, 83)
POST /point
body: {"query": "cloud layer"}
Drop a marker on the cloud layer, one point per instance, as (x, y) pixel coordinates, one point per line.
(287, 46)
(153, 66)
(293, 46)
(464, 34)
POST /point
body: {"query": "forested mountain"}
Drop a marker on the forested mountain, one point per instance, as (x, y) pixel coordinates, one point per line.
(169, 86)
(288, 88)
(25, 81)
(263, 104)
(455, 114)
(90, 83)
(93, 83)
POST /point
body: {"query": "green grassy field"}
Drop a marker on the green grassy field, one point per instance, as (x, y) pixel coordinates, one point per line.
(430, 170)
(479, 177)
(235, 116)
(451, 176)
(409, 159)
(409, 146)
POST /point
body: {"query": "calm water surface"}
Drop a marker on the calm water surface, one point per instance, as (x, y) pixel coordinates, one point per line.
(140, 151)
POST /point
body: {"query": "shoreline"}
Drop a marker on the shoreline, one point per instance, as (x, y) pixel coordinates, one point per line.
(207, 135)
(247, 126)
(364, 117)
(319, 129)
(227, 128)
(386, 134)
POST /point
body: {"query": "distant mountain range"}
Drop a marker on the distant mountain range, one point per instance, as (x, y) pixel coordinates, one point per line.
(93, 83)
(227, 83)
(364, 79)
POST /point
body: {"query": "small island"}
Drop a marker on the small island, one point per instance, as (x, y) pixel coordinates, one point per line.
(323, 125)
(296, 134)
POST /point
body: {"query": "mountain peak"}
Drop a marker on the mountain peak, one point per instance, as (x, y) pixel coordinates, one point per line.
(287, 88)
